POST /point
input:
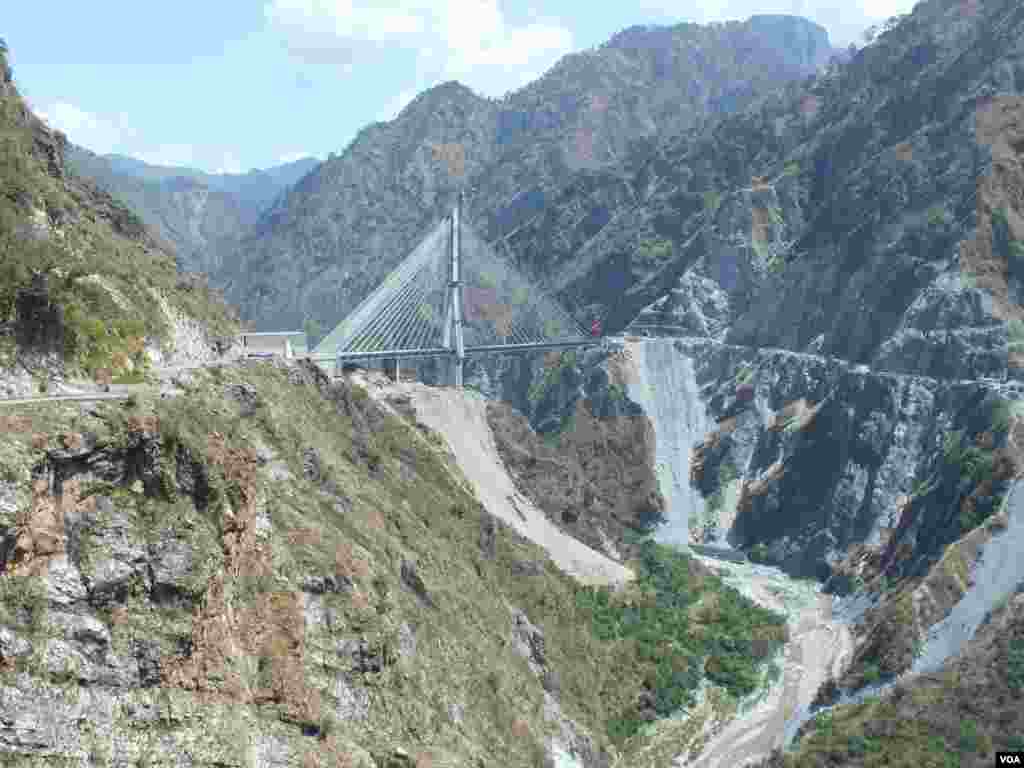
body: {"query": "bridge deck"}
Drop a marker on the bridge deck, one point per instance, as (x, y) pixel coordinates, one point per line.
(405, 354)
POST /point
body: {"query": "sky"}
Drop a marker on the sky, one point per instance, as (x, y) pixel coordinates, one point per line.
(230, 85)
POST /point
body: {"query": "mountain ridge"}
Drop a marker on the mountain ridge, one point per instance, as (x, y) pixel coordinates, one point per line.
(200, 215)
(536, 133)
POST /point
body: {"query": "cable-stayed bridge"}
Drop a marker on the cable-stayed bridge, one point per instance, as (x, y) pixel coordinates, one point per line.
(452, 296)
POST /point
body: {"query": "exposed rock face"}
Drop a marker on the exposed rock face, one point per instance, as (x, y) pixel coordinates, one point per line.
(826, 453)
(598, 480)
(39, 323)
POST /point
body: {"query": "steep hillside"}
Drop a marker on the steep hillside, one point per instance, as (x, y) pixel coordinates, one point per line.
(82, 283)
(332, 238)
(202, 216)
(262, 567)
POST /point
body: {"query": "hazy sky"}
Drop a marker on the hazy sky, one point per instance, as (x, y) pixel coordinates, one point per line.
(229, 85)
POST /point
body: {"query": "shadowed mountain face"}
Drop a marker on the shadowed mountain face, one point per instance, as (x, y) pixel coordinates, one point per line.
(324, 246)
(201, 215)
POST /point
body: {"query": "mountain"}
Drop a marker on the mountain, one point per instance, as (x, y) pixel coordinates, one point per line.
(257, 187)
(331, 238)
(867, 213)
(201, 215)
(815, 385)
(252, 563)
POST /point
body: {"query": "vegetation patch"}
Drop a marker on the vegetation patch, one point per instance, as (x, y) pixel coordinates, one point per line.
(974, 462)
(678, 625)
(1015, 666)
(555, 364)
(654, 251)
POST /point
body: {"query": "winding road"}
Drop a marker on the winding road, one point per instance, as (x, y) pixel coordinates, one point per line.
(83, 390)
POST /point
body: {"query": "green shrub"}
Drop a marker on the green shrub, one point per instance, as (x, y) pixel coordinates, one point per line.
(1000, 220)
(859, 745)
(1015, 666)
(969, 739)
(1015, 741)
(974, 462)
(1005, 412)
(715, 502)
(712, 201)
(872, 674)
(936, 216)
(759, 552)
(952, 446)
(23, 600)
(823, 724)
(1015, 333)
(654, 250)
(791, 169)
(924, 487)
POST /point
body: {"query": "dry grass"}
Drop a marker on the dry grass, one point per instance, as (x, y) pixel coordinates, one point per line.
(904, 152)
(360, 601)
(103, 377)
(759, 223)
(304, 537)
(146, 425)
(349, 565)
(520, 729)
(375, 521)
(453, 154)
(15, 424)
